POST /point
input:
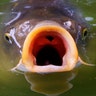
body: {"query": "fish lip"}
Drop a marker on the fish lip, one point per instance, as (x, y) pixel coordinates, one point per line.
(70, 58)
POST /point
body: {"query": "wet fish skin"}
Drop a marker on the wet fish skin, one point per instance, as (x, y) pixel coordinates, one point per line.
(25, 15)
(29, 12)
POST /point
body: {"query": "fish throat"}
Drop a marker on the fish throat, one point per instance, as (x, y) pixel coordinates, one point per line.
(48, 55)
(48, 48)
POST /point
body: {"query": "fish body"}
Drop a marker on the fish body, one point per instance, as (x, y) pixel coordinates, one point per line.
(46, 32)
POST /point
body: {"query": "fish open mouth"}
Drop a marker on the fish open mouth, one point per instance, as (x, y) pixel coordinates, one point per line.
(49, 48)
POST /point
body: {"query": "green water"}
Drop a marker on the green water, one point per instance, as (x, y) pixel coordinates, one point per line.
(84, 84)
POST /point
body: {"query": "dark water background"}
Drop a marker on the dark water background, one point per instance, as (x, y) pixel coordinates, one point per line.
(13, 84)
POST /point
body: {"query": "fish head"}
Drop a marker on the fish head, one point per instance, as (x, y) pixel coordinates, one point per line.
(47, 34)
(49, 47)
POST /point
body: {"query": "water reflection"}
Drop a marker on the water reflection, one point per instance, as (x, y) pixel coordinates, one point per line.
(51, 84)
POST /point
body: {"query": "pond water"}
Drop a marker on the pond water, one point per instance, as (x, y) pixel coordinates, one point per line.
(84, 84)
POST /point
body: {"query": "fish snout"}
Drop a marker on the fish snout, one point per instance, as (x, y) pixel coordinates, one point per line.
(49, 48)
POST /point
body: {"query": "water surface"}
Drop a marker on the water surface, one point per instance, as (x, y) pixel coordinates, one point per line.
(13, 84)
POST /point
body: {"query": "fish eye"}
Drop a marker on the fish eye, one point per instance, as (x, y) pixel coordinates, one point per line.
(85, 32)
(8, 38)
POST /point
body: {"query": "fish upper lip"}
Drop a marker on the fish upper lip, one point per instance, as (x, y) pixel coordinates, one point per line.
(47, 31)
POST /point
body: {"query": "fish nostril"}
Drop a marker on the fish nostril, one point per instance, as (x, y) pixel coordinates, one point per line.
(50, 38)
